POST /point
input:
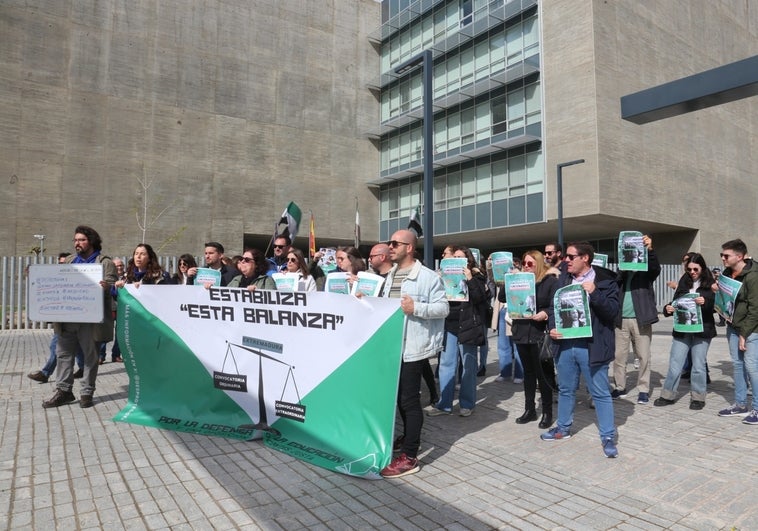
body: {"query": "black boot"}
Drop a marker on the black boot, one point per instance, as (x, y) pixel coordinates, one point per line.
(547, 420)
(529, 415)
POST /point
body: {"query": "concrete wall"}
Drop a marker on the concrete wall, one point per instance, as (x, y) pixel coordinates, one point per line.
(229, 108)
(691, 178)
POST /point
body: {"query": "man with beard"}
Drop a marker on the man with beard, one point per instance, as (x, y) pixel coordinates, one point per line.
(87, 336)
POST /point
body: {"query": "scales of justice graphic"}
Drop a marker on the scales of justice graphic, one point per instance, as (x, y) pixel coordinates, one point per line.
(238, 383)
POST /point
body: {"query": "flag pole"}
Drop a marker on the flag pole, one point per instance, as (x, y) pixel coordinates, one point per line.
(271, 241)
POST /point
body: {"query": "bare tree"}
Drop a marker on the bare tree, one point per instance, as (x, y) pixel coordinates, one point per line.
(144, 220)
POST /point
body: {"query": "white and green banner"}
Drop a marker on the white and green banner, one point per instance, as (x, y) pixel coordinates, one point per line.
(314, 374)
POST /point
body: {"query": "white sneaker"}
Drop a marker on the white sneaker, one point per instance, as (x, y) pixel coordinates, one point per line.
(466, 412)
(518, 380)
(500, 379)
(636, 363)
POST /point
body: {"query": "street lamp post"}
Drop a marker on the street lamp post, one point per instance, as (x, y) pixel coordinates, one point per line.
(41, 238)
(560, 197)
(424, 59)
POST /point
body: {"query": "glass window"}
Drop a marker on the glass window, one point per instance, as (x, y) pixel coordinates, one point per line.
(440, 192)
(498, 106)
(516, 176)
(513, 45)
(453, 189)
(483, 183)
(454, 130)
(531, 33)
(497, 53)
(482, 121)
(468, 125)
(440, 135)
(466, 12)
(499, 179)
(467, 66)
(440, 80)
(468, 186)
(482, 59)
(516, 108)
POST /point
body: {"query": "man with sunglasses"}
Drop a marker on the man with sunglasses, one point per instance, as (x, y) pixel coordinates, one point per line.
(423, 301)
(742, 331)
(279, 260)
(634, 324)
(588, 357)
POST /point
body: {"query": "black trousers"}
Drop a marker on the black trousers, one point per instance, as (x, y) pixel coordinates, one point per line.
(536, 372)
(409, 405)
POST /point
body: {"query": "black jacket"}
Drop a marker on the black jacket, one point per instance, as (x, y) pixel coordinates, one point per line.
(643, 295)
(529, 330)
(466, 320)
(604, 308)
(709, 324)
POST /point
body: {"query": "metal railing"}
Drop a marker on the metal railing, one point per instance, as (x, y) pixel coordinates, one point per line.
(13, 287)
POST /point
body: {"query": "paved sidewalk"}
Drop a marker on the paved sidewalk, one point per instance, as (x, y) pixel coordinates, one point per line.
(73, 468)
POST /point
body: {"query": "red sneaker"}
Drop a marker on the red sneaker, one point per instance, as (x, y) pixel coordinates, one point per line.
(401, 466)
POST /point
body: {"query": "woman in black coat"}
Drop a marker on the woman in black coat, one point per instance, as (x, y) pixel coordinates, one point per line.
(528, 334)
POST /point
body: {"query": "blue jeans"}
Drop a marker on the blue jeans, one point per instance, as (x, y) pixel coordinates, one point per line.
(573, 362)
(52, 361)
(745, 365)
(680, 346)
(507, 352)
(484, 350)
(448, 370)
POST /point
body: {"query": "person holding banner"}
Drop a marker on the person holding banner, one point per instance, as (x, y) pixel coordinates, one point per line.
(296, 266)
(87, 336)
(423, 301)
(742, 331)
(144, 268)
(697, 279)
(254, 268)
(587, 357)
(528, 335)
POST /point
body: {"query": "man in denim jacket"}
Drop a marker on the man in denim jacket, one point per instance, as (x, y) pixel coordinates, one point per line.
(423, 301)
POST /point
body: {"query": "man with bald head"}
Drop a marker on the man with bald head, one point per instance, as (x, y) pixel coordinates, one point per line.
(379, 259)
(423, 301)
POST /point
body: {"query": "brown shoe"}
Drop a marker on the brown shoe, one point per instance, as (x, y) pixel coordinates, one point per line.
(85, 401)
(59, 398)
(118, 359)
(79, 373)
(38, 376)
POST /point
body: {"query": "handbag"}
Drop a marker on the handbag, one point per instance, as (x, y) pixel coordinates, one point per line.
(547, 347)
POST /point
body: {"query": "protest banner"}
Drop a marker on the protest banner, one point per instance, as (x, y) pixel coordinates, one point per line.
(314, 374)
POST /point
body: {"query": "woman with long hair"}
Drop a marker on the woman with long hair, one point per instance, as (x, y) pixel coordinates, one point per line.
(464, 332)
(697, 279)
(144, 268)
(528, 334)
(296, 266)
(186, 261)
(253, 267)
(349, 260)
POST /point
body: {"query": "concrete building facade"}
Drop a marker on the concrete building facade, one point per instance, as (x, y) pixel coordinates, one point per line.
(220, 112)
(689, 181)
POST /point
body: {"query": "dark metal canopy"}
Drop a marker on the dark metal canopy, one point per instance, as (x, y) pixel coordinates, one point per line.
(713, 87)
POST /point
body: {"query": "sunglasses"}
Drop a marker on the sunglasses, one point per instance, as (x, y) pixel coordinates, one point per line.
(724, 255)
(279, 246)
(246, 259)
(374, 256)
(180, 263)
(570, 257)
(529, 264)
(395, 243)
(693, 270)
(550, 253)
(291, 260)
